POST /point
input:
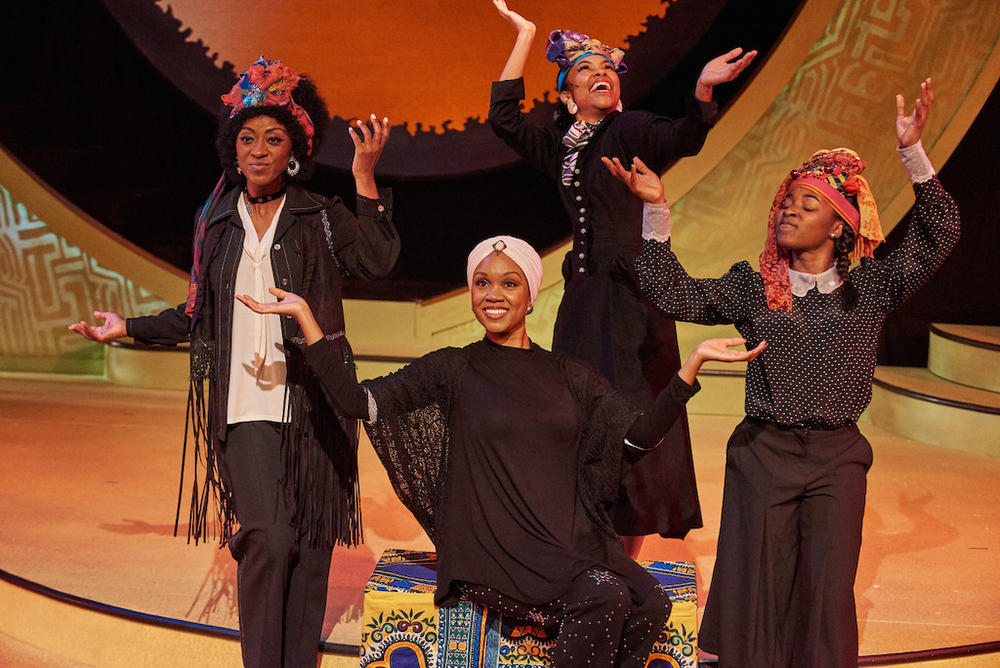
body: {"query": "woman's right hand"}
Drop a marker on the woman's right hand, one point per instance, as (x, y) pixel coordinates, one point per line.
(113, 327)
(291, 304)
(520, 23)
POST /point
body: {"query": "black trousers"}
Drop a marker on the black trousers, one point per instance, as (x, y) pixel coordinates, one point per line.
(598, 622)
(281, 581)
(782, 591)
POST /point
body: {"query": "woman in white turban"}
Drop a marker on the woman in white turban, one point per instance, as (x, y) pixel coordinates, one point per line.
(509, 456)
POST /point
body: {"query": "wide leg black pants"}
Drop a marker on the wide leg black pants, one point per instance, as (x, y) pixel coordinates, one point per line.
(782, 592)
(281, 581)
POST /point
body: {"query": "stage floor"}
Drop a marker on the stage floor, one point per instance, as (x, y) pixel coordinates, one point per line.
(88, 489)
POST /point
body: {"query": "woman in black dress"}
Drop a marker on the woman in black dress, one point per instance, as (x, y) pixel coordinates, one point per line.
(602, 318)
(273, 455)
(782, 591)
(509, 457)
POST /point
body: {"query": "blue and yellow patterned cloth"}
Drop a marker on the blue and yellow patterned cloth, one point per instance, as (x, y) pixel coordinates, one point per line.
(403, 629)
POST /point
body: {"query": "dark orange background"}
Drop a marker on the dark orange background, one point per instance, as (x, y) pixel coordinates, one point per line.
(416, 62)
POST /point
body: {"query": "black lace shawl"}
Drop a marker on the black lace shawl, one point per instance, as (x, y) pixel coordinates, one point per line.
(411, 433)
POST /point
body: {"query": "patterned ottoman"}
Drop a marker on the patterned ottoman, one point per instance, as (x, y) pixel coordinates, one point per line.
(402, 628)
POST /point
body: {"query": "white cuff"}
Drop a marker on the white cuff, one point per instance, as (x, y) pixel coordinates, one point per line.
(655, 221)
(917, 164)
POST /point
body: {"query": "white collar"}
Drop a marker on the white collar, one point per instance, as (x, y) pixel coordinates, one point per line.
(826, 282)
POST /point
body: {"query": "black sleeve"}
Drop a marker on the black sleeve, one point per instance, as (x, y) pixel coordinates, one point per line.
(664, 140)
(647, 430)
(537, 145)
(166, 328)
(368, 245)
(332, 363)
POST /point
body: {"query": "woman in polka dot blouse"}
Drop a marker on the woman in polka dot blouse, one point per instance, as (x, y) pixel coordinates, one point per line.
(782, 591)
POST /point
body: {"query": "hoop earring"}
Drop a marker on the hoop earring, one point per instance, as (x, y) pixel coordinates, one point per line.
(293, 167)
(571, 107)
(238, 170)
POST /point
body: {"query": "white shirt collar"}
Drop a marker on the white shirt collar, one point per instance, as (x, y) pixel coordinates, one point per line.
(826, 282)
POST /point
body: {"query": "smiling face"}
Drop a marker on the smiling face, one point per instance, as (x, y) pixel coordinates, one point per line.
(500, 300)
(593, 84)
(263, 148)
(806, 222)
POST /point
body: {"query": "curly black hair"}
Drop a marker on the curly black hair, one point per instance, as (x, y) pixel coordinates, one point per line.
(307, 97)
(842, 247)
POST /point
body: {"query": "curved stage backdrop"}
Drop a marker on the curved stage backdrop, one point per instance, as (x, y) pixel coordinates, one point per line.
(438, 56)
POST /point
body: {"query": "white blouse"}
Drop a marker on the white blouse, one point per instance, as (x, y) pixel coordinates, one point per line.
(257, 361)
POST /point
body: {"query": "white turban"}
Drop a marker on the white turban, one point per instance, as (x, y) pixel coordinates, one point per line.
(518, 250)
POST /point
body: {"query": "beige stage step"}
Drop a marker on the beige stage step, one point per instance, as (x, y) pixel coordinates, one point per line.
(920, 405)
(966, 354)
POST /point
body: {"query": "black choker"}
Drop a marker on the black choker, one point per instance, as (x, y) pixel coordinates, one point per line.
(265, 198)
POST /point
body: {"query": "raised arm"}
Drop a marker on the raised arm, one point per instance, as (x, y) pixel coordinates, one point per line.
(721, 70)
(662, 279)
(368, 244)
(933, 229)
(514, 68)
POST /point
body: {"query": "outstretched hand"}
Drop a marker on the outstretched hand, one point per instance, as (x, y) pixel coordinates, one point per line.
(520, 23)
(113, 327)
(288, 303)
(291, 304)
(640, 179)
(718, 350)
(368, 145)
(910, 127)
(720, 70)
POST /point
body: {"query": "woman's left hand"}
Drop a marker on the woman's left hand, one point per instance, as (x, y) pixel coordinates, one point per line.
(720, 70)
(909, 128)
(288, 303)
(641, 180)
(291, 304)
(368, 145)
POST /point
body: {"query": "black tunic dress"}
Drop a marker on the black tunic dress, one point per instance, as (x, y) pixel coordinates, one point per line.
(602, 318)
(532, 446)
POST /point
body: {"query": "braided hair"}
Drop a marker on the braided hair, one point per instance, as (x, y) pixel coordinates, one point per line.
(842, 247)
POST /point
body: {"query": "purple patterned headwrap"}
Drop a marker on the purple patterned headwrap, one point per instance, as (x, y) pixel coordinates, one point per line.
(568, 46)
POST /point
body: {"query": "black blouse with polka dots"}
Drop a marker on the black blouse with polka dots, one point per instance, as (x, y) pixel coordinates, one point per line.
(817, 369)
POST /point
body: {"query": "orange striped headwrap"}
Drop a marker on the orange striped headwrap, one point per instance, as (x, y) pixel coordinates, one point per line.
(834, 175)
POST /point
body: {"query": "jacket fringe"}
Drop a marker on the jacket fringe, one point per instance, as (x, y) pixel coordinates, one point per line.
(208, 487)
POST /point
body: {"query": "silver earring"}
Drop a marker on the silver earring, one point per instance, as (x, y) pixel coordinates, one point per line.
(571, 107)
(293, 167)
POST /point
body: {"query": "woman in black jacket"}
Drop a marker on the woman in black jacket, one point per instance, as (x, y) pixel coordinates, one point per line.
(602, 318)
(276, 458)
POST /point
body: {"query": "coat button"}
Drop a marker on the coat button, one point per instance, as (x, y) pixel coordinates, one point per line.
(284, 281)
(381, 208)
(583, 210)
(277, 246)
(582, 256)
(582, 270)
(583, 230)
(579, 198)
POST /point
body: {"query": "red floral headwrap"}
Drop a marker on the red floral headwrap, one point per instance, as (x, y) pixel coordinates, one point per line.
(270, 84)
(834, 175)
